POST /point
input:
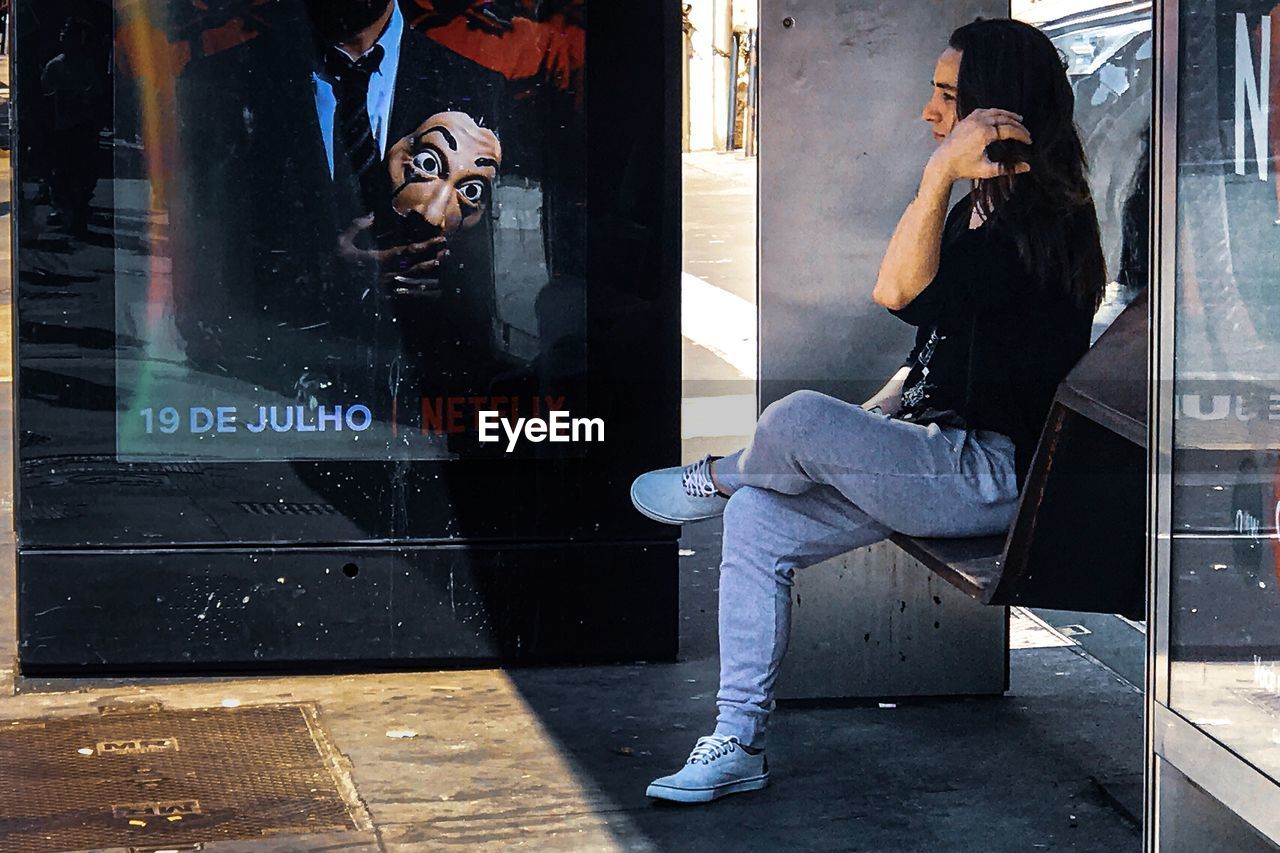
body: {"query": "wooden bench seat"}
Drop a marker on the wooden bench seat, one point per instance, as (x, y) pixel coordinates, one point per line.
(1078, 540)
(970, 565)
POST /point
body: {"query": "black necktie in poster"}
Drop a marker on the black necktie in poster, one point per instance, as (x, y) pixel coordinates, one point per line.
(356, 160)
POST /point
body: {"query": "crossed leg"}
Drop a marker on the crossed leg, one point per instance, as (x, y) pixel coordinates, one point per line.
(767, 536)
(821, 477)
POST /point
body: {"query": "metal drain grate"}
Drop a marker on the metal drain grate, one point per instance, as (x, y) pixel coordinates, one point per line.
(286, 508)
(169, 779)
(180, 468)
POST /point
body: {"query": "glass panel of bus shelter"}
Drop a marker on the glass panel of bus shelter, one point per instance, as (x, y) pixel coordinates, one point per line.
(1224, 627)
(1107, 50)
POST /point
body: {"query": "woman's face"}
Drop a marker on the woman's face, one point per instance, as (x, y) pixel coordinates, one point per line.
(940, 112)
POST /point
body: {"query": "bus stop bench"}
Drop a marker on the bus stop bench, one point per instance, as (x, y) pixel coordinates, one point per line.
(1078, 540)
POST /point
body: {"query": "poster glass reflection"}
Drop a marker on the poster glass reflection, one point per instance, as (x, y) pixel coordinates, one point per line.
(345, 227)
(1224, 629)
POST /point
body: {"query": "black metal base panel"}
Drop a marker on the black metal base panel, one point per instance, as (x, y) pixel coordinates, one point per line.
(182, 611)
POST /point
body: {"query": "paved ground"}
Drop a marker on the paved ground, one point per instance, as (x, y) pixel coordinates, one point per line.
(719, 302)
(553, 759)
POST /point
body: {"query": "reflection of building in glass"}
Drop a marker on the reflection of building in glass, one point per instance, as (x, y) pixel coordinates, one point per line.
(720, 38)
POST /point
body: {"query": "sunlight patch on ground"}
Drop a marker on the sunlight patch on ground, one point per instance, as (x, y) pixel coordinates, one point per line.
(1028, 632)
(720, 321)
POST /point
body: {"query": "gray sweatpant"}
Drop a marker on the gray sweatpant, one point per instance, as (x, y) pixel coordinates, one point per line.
(821, 477)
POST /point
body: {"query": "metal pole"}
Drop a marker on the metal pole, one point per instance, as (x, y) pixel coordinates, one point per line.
(730, 139)
(753, 92)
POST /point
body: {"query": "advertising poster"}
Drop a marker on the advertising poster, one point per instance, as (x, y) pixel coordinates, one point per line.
(360, 224)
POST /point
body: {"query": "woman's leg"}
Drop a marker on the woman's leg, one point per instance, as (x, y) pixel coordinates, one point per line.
(767, 536)
(819, 478)
(919, 480)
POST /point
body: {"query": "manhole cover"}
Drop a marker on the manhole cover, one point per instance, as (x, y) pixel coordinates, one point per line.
(159, 779)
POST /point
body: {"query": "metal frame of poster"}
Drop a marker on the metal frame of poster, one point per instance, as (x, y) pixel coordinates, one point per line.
(273, 259)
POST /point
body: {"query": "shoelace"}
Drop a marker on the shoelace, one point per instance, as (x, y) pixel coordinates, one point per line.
(711, 747)
(696, 479)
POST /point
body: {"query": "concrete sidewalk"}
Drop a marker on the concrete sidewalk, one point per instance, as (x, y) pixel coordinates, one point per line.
(718, 302)
(558, 759)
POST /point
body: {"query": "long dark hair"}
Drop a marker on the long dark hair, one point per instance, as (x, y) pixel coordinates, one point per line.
(1049, 211)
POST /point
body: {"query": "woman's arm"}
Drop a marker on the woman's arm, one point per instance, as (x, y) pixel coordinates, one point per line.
(911, 261)
(889, 398)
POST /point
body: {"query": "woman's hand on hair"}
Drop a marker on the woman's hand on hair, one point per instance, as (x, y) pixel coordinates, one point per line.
(963, 154)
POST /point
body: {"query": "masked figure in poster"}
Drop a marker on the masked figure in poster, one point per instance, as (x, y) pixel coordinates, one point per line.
(295, 273)
(441, 178)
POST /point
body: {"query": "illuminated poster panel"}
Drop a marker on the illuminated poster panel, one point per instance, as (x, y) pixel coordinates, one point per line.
(352, 225)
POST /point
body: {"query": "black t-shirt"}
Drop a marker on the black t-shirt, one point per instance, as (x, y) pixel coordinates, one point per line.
(992, 343)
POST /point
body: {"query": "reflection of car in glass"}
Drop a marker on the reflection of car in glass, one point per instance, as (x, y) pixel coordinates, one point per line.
(1108, 54)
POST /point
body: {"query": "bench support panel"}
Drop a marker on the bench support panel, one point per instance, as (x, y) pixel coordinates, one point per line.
(876, 623)
(1080, 544)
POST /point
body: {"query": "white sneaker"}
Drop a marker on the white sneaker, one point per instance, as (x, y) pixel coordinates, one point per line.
(717, 766)
(680, 494)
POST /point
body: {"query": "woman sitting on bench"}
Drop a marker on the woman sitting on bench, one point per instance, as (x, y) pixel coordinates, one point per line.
(1002, 291)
